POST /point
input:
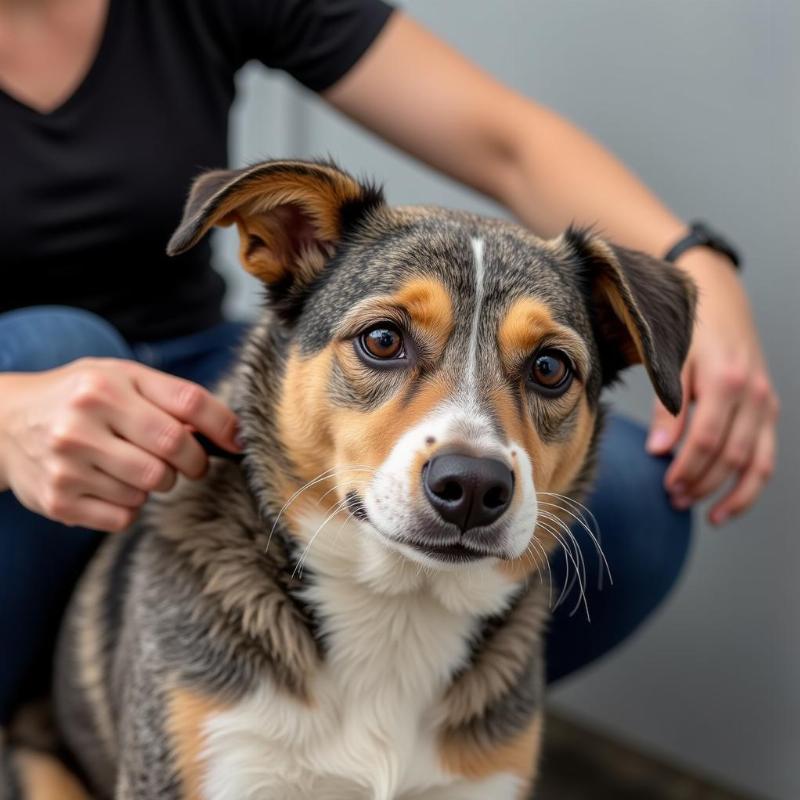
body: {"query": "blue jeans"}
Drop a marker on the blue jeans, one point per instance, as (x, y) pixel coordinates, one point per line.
(644, 539)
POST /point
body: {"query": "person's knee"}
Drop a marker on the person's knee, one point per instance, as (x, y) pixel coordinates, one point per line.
(645, 542)
(45, 337)
(655, 537)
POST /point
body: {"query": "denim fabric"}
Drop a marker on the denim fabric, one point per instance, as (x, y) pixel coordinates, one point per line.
(645, 541)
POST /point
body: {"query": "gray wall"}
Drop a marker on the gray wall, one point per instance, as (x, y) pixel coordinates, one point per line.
(702, 99)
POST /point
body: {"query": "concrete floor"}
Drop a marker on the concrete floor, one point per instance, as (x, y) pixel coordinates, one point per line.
(579, 764)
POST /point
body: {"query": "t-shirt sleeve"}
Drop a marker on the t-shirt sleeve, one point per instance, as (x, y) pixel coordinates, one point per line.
(315, 41)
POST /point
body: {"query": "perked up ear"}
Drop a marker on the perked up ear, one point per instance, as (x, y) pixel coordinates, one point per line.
(642, 310)
(291, 216)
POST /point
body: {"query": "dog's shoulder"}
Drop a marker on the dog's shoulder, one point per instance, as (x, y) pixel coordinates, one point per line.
(216, 593)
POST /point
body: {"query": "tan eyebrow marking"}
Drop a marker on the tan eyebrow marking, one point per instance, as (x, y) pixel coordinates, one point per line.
(527, 322)
(426, 302)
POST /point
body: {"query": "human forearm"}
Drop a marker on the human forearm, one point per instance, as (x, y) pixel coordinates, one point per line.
(558, 175)
(418, 93)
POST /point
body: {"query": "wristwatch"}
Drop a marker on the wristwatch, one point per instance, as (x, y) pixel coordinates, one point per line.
(700, 235)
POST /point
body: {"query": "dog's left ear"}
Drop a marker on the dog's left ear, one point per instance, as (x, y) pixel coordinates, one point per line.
(291, 217)
(642, 310)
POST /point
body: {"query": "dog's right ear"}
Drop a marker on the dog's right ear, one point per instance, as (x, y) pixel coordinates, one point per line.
(642, 310)
(291, 216)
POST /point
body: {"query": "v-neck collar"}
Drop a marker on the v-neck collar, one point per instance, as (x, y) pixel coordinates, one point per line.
(86, 83)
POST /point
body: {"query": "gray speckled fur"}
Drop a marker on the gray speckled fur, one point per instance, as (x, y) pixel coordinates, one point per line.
(204, 605)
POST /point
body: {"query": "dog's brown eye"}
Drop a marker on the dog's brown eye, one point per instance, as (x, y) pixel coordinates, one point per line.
(383, 341)
(551, 372)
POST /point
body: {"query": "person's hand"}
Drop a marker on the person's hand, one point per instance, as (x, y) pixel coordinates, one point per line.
(729, 440)
(86, 443)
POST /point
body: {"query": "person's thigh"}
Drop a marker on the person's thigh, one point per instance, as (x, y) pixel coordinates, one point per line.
(645, 541)
(40, 560)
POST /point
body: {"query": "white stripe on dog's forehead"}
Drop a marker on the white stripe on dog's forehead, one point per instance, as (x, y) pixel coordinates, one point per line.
(478, 247)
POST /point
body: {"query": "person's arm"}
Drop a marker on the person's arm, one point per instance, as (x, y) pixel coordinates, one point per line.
(419, 94)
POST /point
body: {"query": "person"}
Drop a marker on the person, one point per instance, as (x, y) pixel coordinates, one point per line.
(107, 350)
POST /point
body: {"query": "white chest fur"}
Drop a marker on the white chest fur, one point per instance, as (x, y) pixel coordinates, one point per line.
(394, 637)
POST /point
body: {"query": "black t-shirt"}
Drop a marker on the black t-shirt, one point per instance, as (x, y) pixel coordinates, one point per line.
(90, 193)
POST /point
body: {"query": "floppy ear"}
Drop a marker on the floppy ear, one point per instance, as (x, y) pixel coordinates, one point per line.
(291, 216)
(642, 310)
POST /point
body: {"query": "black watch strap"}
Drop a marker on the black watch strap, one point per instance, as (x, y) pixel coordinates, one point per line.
(700, 235)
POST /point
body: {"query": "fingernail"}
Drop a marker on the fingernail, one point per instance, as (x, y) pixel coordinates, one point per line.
(657, 441)
(681, 502)
(721, 518)
(238, 438)
(678, 489)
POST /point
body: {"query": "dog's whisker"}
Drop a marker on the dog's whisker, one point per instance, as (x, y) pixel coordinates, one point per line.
(359, 482)
(298, 568)
(575, 504)
(579, 573)
(552, 534)
(321, 478)
(313, 482)
(301, 560)
(533, 557)
(576, 544)
(575, 553)
(575, 547)
(573, 542)
(596, 534)
(578, 517)
(569, 580)
(347, 519)
(598, 548)
(538, 545)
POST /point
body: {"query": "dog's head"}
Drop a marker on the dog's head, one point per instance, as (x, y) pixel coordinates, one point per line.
(440, 371)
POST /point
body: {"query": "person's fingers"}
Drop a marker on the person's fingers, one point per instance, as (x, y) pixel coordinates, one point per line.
(191, 404)
(133, 466)
(707, 432)
(104, 487)
(666, 429)
(752, 480)
(145, 425)
(739, 446)
(91, 512)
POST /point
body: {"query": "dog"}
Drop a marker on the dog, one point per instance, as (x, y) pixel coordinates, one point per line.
(355, 609)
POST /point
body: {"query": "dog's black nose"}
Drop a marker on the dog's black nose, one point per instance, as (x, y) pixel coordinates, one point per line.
(467, 491)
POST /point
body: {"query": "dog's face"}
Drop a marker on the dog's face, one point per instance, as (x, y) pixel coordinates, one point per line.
(442, 371)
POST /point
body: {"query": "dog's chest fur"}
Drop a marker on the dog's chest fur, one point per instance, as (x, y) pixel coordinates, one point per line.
(394, 638)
